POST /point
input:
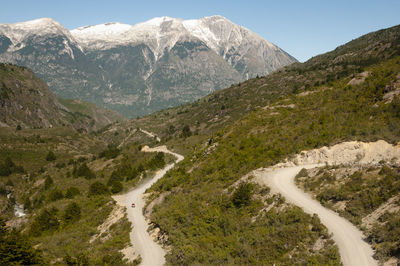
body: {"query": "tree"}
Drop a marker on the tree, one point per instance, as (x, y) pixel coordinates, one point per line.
(50, 156)
(15, 249)
(242, 195)
(72, 213)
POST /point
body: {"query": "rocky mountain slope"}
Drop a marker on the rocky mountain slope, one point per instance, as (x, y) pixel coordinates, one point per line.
(26, 101)
(138, 69)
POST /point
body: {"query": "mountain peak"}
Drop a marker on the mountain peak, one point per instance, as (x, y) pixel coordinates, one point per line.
(157, 21)
(101, 32)
(42, 26)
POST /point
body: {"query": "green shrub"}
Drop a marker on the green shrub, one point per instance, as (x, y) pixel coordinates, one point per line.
(50, 156)
(156, 162)
(72, 213)
(242, 195)
(110, 153)
(72, 192)
(114, 177)
(116, 187)
(55, 194)
(48, 182)
(97, 188)
(9, 167)
(15, 249)
(46, 220)
(84, 171)
(186, 132)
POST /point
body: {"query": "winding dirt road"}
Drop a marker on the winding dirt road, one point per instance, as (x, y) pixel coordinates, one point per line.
(151, 253)
(353, 249)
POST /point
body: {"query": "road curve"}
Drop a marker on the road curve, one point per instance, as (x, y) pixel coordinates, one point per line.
(151, 253)
(353, 249)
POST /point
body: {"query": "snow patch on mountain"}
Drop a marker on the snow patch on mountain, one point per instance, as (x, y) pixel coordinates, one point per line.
(108, 32)
(19, 32)
(217, 32)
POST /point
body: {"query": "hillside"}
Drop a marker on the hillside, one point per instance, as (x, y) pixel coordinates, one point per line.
(211, 209)
(332, 106)
(367, 196)
(26, 101)
(139, 69)
(221, 108)
(55, 191)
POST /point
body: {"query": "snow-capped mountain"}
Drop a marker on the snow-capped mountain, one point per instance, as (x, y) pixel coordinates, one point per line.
(141, 68)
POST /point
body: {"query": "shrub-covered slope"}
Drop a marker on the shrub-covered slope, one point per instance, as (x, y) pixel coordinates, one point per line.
(221, 108)
(328, 107)
(367, 196)
(26, 101)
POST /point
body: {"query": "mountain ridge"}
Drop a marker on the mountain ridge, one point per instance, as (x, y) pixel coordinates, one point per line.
(27, 102)
(143, 68)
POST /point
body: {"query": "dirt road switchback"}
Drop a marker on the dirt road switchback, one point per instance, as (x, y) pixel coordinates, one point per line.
(354, 251)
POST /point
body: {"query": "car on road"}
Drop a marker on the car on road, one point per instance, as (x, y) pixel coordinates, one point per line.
(133, 205)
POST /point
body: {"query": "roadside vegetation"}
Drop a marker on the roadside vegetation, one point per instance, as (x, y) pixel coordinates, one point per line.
(368, 196)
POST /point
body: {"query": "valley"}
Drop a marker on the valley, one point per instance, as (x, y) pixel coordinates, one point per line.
(213, 180)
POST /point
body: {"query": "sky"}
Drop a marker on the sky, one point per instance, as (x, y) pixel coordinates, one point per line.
(303, 28)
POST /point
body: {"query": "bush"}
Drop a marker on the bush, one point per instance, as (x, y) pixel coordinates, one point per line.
(242, 195)
(9, 167)
(48, 182)
(50, 156)
(186, 131)
(72, 213)
(97, 188)
(110, 153)
(55, 194)
(116, 187)
(84, 171)
(72, 192)
(46, 220)
(114, 177)
(156, 162)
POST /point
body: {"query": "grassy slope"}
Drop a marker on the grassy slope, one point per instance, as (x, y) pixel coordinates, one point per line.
(199, 211)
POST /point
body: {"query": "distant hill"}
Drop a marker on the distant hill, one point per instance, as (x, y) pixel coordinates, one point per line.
(26, 101)
(139, 69)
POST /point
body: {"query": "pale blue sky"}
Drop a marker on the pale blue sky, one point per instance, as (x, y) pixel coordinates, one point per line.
(303, 28)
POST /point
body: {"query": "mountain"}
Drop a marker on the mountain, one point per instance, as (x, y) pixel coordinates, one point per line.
(219, 109)
(26, 101)
(139, 69)
(349, 94)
